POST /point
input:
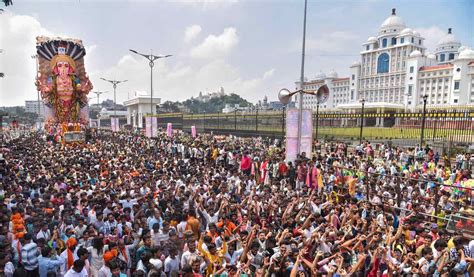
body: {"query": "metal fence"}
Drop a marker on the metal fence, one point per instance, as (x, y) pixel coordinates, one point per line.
(449, 126)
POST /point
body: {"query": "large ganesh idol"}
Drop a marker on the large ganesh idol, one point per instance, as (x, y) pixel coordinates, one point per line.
(62, 81)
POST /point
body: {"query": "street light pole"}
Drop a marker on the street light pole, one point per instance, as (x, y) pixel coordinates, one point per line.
(317, 119)
(425, 97)
(98, 93)
(300, 98)
(361, 120)
(151, 62)
(37, 77)
(114, 85)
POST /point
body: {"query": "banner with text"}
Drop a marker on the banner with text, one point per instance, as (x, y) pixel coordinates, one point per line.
(148, 127)
(292, 134)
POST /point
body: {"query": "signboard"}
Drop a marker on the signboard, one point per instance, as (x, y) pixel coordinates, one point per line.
(114, 124)
(74, 137)
(169, 129)
(148, 127)
(292, 133)
(154, 123)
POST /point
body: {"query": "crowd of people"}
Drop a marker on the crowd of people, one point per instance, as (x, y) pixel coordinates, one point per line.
(126, 205)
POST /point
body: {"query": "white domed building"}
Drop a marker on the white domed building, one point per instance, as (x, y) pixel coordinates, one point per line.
(381, 75)
(447, 48)
(396, 69)
(446, 77)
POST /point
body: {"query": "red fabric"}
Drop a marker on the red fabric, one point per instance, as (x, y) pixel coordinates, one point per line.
(245, 163)
(375, 267)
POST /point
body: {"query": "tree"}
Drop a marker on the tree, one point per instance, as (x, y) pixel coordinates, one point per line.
(169, 107)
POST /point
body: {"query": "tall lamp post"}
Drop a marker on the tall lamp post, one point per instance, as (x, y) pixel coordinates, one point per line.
(37, 77)
(114, 84)
(317, 119)
(361, 120)
(425, 97)
(98, 93)
(300, 96)
(151, 62)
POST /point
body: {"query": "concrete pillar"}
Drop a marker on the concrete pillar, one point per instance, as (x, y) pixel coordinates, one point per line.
(140, 120)
(381, 122)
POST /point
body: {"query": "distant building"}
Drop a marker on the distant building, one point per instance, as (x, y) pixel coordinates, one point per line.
(278, 106)
(32, 106)
(206, 97)
(395, 71)
(339, 91)
(138, 107)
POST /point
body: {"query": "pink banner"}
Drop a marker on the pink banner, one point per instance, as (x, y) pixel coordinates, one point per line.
(114, 124)
(169, 129)
(117, 124)
(193, 131)
(148, 127)
(292, 133)
(154, 123)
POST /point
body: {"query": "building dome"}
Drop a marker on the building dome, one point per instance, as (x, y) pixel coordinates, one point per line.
(320, 76)
(467, 54)
(448, 39)
(393, 21)
(416, 34)
(431, 56)
(332, 74)
(372, 39)
(406, 31)
(415, 54)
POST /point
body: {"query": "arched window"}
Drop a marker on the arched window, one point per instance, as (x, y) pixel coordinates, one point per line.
(394, 41)
(382, 63)
(384, 42)
(441, 58)
(451, 56)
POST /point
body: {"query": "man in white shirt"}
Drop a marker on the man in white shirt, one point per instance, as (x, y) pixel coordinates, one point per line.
(44, 232)
(186, 257)
(172, 262)
(77, 270)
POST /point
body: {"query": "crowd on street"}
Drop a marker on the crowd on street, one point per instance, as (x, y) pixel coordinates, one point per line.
(126, 205)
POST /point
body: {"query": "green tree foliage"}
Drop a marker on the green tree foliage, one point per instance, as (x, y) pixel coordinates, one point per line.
(215, 104)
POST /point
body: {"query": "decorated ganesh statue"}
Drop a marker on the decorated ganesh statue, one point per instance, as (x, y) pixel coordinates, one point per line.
(62, 81)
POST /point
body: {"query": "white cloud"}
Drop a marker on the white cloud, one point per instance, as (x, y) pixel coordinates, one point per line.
(268, 74)
(210, 4)
(192, 32)
(331, 42)
(177, 81)
(216, 46)
(176, 78)
(18, 36)
(432, 36)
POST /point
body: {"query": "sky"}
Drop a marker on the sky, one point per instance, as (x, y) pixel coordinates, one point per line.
(251, 48)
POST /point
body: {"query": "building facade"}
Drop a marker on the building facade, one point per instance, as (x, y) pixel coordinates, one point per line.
(138, 107)
(34, 106)
(340, 92)
(395, 70)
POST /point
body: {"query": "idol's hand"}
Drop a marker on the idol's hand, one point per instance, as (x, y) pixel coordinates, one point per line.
(43, 87)
(86, 85)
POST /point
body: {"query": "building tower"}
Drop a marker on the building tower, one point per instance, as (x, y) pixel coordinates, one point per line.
(448, 48)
